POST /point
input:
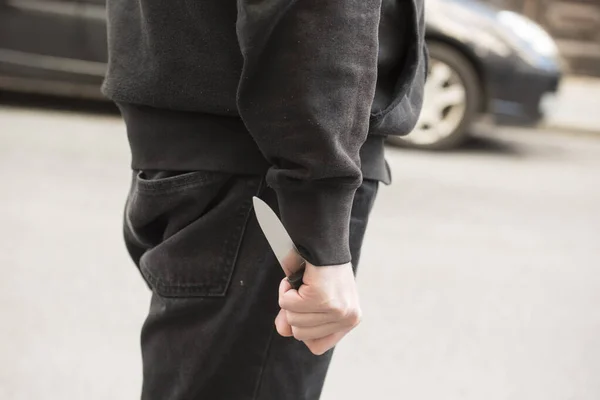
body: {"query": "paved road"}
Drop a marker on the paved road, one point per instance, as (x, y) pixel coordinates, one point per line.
(480, 276)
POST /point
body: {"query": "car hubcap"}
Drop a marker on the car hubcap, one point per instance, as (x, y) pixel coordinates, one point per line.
(444, 105)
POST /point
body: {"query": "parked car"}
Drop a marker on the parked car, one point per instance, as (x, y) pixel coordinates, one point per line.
(483, 62)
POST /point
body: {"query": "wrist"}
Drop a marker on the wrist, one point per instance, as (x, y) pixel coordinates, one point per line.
(317, 217)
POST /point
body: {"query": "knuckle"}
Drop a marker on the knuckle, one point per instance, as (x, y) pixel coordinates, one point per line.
(341, 312)
(292, 319)
(354, 317)
(336, 308)
(280, 330)
(298, 334)
(317, 350)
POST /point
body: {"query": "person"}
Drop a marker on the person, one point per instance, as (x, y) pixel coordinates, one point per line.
(287, 100)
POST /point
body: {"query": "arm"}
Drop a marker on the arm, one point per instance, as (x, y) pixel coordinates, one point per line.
(305, 95)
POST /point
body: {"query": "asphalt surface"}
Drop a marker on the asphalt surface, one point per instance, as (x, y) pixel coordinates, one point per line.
(480, 276)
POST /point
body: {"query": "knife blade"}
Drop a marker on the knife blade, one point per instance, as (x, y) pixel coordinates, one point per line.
(281, 243)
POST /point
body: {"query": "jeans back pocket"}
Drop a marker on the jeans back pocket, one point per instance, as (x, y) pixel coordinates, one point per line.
(188, 228)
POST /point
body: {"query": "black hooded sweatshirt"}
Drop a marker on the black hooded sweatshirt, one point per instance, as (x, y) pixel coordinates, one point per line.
(302, 90)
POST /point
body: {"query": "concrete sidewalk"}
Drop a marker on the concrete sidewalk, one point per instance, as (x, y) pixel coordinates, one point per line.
(577, 107)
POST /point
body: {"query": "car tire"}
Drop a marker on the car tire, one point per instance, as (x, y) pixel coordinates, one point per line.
(450, 74)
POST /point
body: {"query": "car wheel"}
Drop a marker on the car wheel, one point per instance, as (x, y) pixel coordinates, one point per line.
(450, 102)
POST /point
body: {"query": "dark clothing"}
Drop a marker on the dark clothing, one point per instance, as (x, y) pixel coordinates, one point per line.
(185, 141)
(306, 81)
(210, 331)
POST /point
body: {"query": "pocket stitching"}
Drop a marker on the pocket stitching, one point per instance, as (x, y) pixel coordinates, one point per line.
(176, 183)
(199, 289)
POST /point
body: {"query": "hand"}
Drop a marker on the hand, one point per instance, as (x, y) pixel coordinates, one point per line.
(323, 310)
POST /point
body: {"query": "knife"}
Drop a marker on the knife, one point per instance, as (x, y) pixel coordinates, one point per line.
(281, 243)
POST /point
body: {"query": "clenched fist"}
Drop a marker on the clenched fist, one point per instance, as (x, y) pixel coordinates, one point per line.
(323, 310)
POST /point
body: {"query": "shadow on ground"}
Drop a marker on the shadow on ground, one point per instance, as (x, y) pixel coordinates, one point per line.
(489, 144)
(480, 142)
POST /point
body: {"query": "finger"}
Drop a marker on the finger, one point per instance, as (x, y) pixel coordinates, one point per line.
(322, 345)
(292, 301)
(282, 326)
(306, 320)
(315, 332)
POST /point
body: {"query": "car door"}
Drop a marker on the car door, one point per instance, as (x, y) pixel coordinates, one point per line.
(43, 42)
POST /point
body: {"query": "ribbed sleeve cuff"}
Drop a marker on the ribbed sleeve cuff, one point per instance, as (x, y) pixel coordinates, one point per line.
(318, 221)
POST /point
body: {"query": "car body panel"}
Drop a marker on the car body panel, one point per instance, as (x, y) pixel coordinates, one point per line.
(54, 50)
(513, 89)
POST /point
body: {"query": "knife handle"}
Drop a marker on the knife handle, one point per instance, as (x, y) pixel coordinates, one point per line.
(295, 279)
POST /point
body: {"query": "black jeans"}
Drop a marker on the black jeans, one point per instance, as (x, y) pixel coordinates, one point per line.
(210, 332)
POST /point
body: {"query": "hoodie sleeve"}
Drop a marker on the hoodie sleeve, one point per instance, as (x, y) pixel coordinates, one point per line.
(305, 95)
